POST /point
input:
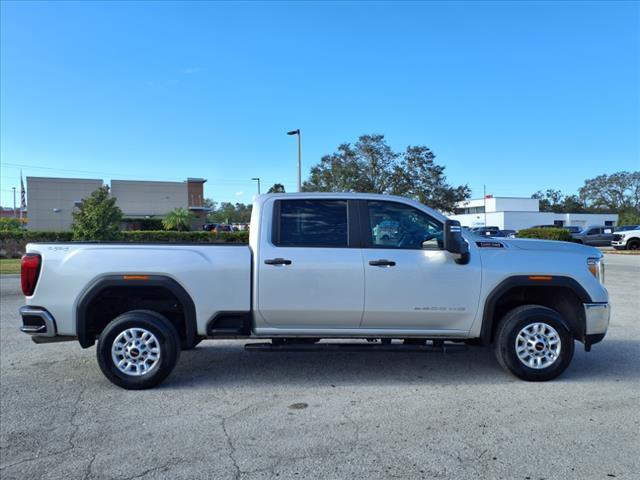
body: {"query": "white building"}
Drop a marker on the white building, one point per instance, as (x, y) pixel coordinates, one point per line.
(516, 213)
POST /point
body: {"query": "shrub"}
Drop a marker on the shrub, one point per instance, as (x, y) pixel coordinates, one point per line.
(13, 243)
(11, 223)
(160, 236)
(546, 234)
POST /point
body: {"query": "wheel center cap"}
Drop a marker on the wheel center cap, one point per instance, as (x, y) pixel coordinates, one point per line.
(134, 352)
(539, 346)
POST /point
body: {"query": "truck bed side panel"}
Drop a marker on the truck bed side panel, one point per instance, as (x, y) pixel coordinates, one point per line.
(217, 277)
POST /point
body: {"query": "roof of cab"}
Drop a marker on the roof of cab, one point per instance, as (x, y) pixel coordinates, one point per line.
(350, 195)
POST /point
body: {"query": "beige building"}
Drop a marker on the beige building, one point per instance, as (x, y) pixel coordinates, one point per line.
(51, 201)
(148, 199)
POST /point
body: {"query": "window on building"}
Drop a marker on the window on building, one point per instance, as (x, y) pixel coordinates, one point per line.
(460, 211)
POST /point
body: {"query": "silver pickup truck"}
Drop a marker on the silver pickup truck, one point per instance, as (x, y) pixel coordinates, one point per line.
(320, 266)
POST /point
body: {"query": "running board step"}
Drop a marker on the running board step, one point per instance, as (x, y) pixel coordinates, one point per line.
(354, 347)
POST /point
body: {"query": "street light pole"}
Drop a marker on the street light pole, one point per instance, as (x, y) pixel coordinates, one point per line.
(15, 212)
(258, 180)
(297, 132)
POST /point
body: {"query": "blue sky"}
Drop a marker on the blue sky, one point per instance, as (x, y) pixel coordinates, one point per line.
(517, 96)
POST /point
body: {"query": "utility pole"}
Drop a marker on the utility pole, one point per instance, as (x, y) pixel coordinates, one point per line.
(15, 212)
(297, 132)
(484, 196)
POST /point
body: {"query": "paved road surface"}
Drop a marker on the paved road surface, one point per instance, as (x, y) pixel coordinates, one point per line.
(227, 413)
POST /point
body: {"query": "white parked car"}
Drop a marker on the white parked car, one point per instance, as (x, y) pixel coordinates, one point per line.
(626, 239)
(316, 267)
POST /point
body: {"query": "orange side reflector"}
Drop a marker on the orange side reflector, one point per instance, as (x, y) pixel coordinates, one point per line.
(541, 278)
(136, 277)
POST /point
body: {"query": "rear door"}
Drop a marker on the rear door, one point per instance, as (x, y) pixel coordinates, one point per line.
(411, 281)
(310, 271)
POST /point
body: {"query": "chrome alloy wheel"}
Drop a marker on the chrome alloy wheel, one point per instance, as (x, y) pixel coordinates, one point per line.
(538, 345)
(135, 351)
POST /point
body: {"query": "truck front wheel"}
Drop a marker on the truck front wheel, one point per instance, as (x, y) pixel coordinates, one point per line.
(633, 244)
(138, 349)
(533, 343)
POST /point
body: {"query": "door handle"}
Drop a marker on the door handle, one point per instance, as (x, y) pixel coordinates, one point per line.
(382, 263)
(277, 261)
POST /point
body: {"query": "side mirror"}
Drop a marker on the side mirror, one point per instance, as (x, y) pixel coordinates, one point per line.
(454, 242)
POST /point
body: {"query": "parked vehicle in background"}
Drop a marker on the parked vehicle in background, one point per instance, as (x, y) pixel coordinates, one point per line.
(596, 236)
(386, 231)
(216, 227)
(486, 231)
(627, 239)
(626, 228)
(316, 267)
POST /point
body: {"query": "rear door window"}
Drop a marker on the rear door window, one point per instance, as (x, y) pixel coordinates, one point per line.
(311, 223)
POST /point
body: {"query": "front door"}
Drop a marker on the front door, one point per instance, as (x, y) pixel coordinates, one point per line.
(309, 273)
(411, 282)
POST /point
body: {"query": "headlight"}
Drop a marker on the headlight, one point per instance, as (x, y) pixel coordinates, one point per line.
(596, 267)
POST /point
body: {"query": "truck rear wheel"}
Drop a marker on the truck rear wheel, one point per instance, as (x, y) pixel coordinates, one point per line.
(533, 343)
(138, 349)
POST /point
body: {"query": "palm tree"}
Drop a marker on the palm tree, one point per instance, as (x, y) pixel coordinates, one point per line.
(178, 219)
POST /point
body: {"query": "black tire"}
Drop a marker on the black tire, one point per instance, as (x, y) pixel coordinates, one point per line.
(505, 342)
(168, 343)
(633, 244)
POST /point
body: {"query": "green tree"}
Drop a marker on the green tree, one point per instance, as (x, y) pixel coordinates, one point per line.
(629, 217)
(97, 218)
(418, 176)
(178, 219)
(573, 204)
(550, 200)
(229, 212)
(371, 165)
(555, 201)
(276, 188)
(616, 192)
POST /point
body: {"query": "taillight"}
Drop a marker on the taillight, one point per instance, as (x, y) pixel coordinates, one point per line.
(30, 269)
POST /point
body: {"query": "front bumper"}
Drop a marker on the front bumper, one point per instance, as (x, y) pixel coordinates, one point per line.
(597, 316)
(619, 243)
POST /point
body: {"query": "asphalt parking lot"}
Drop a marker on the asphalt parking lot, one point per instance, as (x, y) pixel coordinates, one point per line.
(227, 413)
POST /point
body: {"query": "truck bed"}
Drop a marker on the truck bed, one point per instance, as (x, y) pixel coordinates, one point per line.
(216, 276)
